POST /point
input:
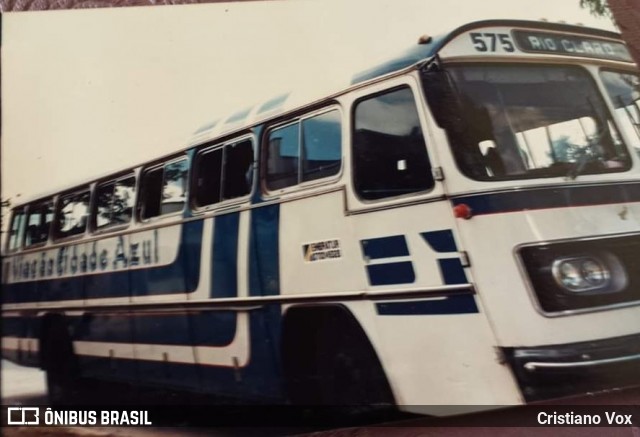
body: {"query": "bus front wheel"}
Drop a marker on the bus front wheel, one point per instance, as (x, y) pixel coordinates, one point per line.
(329, 361)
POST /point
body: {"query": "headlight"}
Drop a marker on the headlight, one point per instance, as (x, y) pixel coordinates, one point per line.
(581, 274)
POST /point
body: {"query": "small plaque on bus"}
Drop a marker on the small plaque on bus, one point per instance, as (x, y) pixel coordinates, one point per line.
(571, 45)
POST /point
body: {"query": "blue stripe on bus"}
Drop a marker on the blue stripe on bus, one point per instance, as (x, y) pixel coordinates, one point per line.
(550, 197)
(181, 276)
(16, 326)
(456, 304)
(440, 241)
(391, 273)
(207, 328)
(169, 374)
(111, 368)
(260, 378)
(202, 328)
(214, 328)
(452, 271)
(112, 328)
(224, 258)
(385, 247)
(223, 381)
(264, 272)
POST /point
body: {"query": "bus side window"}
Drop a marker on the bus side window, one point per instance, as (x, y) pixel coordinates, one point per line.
(164, 189)
(389, 150)
(72, 214)
(38, 223)
(238, 169)
(151, 193)
(283, 157)
(223, 173)
(114, 202)
(305, 150)
(16, 229)
(321, 146)
(174, 187)
(208, 169)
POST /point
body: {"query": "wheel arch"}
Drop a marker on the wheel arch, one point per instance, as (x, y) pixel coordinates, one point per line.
(302, 328)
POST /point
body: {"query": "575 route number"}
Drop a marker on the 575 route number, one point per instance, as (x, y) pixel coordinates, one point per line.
(489, 42)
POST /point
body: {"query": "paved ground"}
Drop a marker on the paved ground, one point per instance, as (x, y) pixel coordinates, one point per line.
(22, 384)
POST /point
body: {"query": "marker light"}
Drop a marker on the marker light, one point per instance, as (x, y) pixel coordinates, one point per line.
(425, 39)
(462, 211)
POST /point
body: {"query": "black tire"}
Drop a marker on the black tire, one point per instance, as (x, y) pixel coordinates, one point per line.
(329, 361)
(63, 382)
(350, 376)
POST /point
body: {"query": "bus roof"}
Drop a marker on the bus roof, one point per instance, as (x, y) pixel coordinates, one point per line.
(419, 52)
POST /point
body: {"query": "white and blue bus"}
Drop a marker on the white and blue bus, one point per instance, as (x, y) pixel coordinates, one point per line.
(458, 226)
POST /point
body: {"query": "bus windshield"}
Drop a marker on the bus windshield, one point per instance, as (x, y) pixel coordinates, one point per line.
(524, 122)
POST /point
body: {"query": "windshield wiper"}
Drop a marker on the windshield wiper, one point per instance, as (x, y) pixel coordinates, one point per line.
(578, 165)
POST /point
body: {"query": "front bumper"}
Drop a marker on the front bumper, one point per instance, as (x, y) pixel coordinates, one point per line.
(548, 372)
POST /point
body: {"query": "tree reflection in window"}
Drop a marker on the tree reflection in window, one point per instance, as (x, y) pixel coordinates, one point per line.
(114, 202)
(73, 211)
(531, 121)
(174, 189)
(164, 189)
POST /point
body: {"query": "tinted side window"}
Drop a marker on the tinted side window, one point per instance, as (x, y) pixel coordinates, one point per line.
(389, 152)
(208, 174)
(322, 146)
(224, 173)
(72, 214)
(306, 150)
(151, 189)
(104, 199)
(238, 169)
(38, 223)
(283, 157)
(16, 229)
(114, 202)
(174, 187)
(164, 189)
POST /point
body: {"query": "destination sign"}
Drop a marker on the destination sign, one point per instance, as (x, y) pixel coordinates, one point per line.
(571, 45)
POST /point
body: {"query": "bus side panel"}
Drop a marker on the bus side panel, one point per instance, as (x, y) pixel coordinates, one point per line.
(263, 374)
(445, 331)
(319, 252)
(164, 347)
(238, 350)
(215, 332)
(17, 286)
(103, 339)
